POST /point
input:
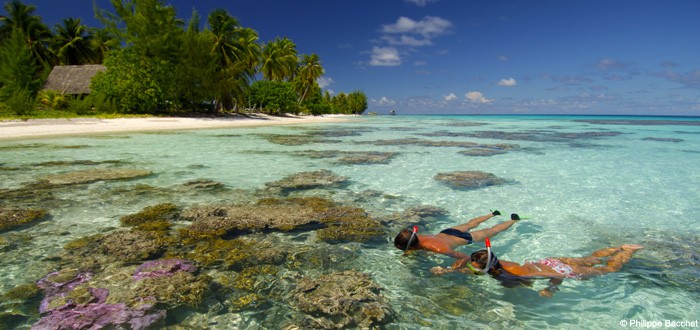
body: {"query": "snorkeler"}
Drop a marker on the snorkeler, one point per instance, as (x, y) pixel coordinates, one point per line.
(445, 241)
(556, 269)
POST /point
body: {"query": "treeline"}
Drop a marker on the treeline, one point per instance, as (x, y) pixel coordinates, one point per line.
(160, 64)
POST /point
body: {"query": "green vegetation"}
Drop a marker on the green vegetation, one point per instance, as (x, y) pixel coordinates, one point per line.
(158, 64)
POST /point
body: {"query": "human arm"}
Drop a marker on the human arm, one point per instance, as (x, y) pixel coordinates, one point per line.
(552, 287)
(461, 260)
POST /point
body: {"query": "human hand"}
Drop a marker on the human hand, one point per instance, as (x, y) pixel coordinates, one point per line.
(546, 293)
(437, 270)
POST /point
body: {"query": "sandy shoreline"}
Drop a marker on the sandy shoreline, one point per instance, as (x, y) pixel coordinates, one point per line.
(41, 128)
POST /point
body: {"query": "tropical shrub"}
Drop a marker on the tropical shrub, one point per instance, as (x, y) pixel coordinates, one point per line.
(52, 100)
(274, 97)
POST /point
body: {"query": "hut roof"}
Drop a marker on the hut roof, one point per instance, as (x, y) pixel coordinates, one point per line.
(72, 79)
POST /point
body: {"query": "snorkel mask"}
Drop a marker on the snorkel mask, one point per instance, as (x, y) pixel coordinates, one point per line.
(413, 236)
(491, 260)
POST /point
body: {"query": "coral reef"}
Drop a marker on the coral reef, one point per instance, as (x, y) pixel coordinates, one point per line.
(349, 157)
(482, 152)
(18, 304)
(469, 179)
(217, 221)
(340, 300)
(163, 267)
(153, 214)
(13, 218)
(348, 224)
(94, 252)
(307, 180)
(93, 175)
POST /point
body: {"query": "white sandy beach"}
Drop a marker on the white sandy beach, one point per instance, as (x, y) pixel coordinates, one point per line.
(35, 128)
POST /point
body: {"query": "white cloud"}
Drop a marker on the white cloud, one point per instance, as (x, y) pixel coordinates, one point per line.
(610, 64)
(450, 97)
(503, 58)
(385, 56)
(477, 97)
(510, 82)
(405, 40)
(429, 26)
(324, 82)
(420, 3)
(386, 101)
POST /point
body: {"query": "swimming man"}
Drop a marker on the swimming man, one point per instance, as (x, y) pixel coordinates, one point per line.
(448, 239)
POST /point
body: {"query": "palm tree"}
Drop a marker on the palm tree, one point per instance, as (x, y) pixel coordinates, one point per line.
(307, 73)
(239, 54)
(20, 17)
(279, 59)
(72, 43)
(102, 42)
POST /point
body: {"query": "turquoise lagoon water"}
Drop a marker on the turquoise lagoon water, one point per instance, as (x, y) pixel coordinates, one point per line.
(584, 182)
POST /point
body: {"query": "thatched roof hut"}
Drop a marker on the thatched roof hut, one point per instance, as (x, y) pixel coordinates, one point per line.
(72, 79)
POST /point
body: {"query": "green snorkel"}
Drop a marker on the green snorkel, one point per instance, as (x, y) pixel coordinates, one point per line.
(413, 236)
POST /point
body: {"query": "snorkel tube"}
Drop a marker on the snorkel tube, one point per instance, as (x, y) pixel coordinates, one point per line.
(479, 271)
(413, 236)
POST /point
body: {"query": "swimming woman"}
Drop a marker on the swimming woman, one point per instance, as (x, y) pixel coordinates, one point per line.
(556, 269)
(445, 241)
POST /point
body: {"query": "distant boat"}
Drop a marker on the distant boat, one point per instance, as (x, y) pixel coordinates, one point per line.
(392, 112)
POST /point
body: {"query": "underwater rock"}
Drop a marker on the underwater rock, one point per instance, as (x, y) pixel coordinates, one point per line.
(543, 135)
(76, 162)
(118, 246)
(163, 267)
(640, 122)
(100, 315)
(58, 285)
(349, 157)
(216, 221)
(238, 253)
(482, 152)
(161, 212)
(178, 289)
(341, 300)
(366, 157)
(18, 305)
(348, 224)
(416, 214)
(468, 179)
(663, 139)
(308, 180)
(424, 143)
(202, 184)
(296, 140)
(13, 218)
(93, 175)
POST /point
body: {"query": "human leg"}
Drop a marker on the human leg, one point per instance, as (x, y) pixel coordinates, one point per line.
(480, 235)
(614, 264)
(473, 223)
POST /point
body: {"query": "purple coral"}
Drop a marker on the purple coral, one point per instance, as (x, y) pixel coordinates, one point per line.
(100, 316)
(56, 290)
(94, 312)
(163, 267)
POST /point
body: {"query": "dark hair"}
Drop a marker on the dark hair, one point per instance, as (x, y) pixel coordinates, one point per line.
(401, 240)
(481, 257)
(507, 279)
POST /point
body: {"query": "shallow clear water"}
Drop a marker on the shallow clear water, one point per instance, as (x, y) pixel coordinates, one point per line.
(583, 184)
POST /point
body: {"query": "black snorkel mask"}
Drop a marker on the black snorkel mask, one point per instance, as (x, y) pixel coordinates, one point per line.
(490, 263)
(414, 235)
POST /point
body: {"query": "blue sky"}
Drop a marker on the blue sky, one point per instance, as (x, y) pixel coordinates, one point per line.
(627, 57)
